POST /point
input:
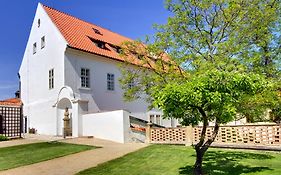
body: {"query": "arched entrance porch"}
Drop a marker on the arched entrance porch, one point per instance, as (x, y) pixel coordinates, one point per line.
(61, 105)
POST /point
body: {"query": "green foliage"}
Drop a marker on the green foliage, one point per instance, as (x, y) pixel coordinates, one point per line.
(223, 58)
(212, 60)
(224, 34)
(3, 138)
(218, 93)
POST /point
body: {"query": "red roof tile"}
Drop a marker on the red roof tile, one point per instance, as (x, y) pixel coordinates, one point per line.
(11, 102)
(79, 33)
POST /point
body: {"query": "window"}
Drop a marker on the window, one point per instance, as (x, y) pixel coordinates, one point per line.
(151, 118)
(51, 79)
(99, 44)
(155, 119)
(138, 56)
(85, 78)
(110, 82)
(158, 119)
(34, 48)
(117, 49)
(39, 23)
(42, 42)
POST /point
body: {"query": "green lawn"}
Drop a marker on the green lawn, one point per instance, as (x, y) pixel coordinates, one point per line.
(15, 156)
(170, 160)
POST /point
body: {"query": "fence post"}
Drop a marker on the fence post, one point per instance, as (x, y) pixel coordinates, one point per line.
(189, 135)
(148, 132)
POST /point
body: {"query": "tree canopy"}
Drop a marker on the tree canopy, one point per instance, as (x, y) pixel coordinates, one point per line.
(211, 60)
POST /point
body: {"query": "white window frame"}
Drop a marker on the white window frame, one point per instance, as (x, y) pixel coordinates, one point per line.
(151, 118)
(110, 82)
(155, 118)
(51, 78)
(34, 48)
(85, 78)
(43, 42)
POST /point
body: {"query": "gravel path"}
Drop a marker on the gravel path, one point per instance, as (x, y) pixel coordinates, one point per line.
(74, 163)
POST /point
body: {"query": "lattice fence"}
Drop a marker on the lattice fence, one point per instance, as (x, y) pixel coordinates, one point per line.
(10, 121)
(246, 134)
(168, 135)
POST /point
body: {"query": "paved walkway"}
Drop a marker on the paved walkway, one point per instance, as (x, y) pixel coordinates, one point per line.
(74, 163)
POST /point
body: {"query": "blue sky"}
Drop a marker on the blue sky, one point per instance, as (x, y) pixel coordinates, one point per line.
(130, 18)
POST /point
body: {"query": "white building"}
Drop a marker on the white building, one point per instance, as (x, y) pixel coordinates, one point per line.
(72, 63)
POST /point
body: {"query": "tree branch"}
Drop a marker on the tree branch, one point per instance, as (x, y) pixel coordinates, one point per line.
(212, 139)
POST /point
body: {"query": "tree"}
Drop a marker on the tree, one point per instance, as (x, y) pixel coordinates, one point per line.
(212, 59)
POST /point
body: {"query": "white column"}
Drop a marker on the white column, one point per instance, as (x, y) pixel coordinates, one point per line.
(74, 117)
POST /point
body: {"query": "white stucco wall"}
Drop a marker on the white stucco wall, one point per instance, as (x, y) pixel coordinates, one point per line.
(34, 70)
(98, 97)
(114, 125)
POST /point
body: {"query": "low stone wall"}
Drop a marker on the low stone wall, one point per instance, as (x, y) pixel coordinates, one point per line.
(179, 135)
(263, 135)
(168, 135)
(246, 134)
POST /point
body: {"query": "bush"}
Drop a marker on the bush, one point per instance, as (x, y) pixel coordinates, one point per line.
(3, 138)
(32, 131)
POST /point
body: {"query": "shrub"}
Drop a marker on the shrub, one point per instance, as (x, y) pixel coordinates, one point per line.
(3, 138)
(32, 131)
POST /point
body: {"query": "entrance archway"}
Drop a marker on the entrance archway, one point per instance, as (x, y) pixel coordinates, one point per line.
(62, 104)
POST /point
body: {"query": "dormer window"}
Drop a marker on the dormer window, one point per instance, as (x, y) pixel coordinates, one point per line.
(138, 56)
(99, 44)
(116, 48)
(97, 31)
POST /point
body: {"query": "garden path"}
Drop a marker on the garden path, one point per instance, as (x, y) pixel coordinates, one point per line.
(74, 163)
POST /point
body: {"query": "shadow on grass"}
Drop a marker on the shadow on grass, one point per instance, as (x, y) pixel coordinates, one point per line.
(225, 163)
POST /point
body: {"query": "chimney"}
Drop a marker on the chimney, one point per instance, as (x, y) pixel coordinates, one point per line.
(17, 94)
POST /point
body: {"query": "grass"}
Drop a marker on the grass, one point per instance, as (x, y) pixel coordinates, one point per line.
(170, 160)
(15, 156)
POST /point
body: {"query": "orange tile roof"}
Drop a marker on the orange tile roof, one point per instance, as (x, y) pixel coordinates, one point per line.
(78, 34)
(11, 102)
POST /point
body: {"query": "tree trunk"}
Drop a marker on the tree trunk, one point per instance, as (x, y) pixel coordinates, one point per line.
(202, 146)
(198, 164)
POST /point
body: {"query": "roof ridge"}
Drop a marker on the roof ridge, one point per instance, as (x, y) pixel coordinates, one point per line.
(84, 21)
(11, 102)
(14, 98)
